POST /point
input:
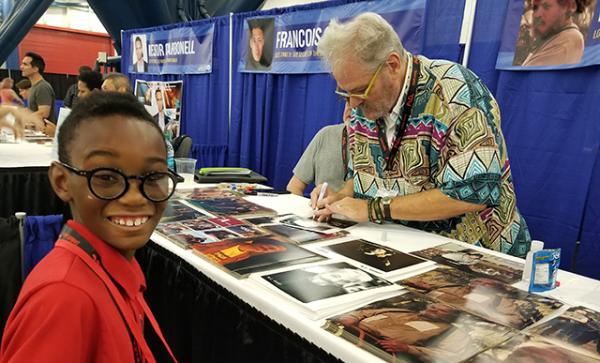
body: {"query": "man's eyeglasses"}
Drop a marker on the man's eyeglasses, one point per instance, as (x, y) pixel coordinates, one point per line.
(365, 94)
(110, 184)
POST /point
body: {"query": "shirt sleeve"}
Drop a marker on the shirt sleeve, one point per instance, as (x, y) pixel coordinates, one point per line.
(470, 169)
(55, 324)
(45, 96)
(305, 168)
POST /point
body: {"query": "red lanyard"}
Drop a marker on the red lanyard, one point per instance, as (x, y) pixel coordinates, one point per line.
(390, 153)
(91, 258)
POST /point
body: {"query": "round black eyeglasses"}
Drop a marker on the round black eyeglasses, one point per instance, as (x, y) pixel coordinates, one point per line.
(111, 184)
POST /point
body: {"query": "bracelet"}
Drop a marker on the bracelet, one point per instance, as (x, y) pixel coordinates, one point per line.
(378, 213)
(370, 209)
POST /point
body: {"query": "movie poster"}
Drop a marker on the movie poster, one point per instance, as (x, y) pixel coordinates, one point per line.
(162, 100)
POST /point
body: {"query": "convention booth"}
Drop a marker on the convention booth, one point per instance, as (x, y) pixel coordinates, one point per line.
(264, 120)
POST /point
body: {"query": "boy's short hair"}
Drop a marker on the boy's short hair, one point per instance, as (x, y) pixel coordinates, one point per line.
(99, 105)
(37, 61)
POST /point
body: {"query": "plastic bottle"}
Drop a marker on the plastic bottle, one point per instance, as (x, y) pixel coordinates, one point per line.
(535, 246)
(170, 152)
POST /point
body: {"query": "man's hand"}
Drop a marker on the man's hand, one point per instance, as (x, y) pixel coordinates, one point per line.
(352, 208)
(393, 346)
(49, 128)
(323, 214)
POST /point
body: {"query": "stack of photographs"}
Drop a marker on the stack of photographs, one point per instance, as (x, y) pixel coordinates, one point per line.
(297, 229)
(490, 299)
(177, 210)
(188, 233)
(523, 348)
(381, 260)
(414, 328)
(475, 262)
(576, 329)
(224, 203)
(319, 290)
(242, 256)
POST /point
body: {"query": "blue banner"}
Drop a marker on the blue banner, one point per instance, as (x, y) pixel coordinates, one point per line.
(187, 49)
(550, 34)
(288, 43)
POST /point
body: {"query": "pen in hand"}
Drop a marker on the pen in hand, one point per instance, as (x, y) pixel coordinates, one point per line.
(321, 195)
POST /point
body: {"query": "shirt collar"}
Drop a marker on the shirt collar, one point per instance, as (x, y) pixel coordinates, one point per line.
(391, 118)
(127, 274)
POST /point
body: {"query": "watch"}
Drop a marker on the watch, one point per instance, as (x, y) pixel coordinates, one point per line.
(387, 213)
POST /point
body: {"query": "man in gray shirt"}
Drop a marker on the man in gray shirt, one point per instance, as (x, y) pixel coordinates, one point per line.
(322, 161)
(41, 94)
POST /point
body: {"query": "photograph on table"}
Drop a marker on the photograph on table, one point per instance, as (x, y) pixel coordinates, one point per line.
(298, 229)
(488, 298)
(178, 211)
(528, 349)
(327, 288)
(247, 255)
(187, 238)
(474, 261)
(381, 260)
(577, 327)
(207, 230)
(414, 328)
(305, 223)
(231, 206)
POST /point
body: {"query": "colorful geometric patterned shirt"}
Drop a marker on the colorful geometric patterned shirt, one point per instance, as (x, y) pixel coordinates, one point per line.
(452, 141)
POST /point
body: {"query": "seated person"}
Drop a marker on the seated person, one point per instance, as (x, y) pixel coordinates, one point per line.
(322, 161)
(84, 301)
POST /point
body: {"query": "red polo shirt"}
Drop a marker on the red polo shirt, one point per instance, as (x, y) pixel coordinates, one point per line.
(65, 313)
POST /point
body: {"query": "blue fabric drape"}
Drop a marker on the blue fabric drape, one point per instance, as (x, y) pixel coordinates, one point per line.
(205, 106)
(275, 116)
(40, 234)
(550, 123)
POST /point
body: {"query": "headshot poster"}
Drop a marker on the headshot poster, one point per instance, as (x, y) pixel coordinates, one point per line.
(288, 43)
(550, 34)
(162, 99)
(178, 50)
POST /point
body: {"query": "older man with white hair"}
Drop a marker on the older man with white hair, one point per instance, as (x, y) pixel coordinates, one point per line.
(425, 141)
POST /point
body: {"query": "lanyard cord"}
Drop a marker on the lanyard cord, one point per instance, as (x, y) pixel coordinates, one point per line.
(401, 127)
(88, 254)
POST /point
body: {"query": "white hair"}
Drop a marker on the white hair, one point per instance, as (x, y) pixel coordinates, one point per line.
(369, 37)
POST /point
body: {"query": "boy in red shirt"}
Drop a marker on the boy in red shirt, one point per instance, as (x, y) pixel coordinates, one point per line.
(84, 301)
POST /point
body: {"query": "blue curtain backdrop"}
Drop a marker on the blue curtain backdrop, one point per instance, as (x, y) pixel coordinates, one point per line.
(549, 119)
(550, 122)
(205, 107)
(275, 116)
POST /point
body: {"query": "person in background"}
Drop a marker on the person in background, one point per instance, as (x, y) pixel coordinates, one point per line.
(87, 82)
(558, 39)
(71, 95)
(24, 86)
(7, 95)
(323, 160)
(116, 82)
(84, 301)
(41, 95)
(426, 147)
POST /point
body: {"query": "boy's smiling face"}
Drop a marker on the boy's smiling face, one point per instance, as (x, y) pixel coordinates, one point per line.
(134, 147)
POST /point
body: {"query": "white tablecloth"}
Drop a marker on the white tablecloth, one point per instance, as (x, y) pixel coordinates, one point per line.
(25, 154)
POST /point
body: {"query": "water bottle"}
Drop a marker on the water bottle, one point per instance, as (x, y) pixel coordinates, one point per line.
(170, 152)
